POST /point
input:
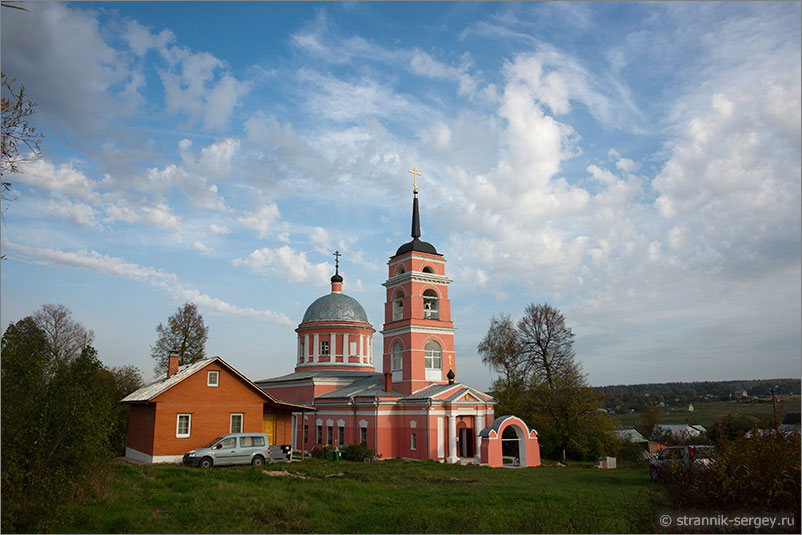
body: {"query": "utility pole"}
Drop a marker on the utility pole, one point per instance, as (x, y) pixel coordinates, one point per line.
(774, 407)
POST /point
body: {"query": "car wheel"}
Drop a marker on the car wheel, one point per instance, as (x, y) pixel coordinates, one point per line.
(653, 474)
(258, 460)
(206, 462)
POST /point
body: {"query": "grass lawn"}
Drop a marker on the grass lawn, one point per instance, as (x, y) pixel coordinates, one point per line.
(391, 496)
(712, 412)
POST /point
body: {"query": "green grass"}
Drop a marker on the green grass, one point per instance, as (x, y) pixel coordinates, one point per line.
(712, 412)
(384, 497)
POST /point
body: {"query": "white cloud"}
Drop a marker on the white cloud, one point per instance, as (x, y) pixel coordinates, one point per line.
(261, 219)
(117, 267)
(79, 213)
(53, 45)
(214, 228)
(320, 239)
(286, 264)
(216, 158)
(65, 178)
(203, 248)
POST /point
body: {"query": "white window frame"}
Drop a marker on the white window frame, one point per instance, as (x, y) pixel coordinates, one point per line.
(433, 361)
(397, 357)
(216, 375)
(178, 433)
(413, 441)
(324, 347)
(241, 422)
(352, 348)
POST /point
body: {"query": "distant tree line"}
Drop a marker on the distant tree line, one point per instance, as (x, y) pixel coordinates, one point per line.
(622, 398)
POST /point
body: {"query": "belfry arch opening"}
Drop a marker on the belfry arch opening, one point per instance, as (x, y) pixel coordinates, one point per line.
(428, 269)
(431, 308)
(398, 305)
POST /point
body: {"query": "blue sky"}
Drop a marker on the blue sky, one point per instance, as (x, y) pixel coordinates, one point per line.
(636, 165)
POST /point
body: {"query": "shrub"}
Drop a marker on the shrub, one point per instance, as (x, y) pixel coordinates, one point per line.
(760, 473)
(356, 452)
(631, 451)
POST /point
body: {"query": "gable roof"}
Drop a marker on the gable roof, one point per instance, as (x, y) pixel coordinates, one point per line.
(162, 384)
(630, 434)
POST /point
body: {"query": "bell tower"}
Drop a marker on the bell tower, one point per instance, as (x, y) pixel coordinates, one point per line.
(418, 332)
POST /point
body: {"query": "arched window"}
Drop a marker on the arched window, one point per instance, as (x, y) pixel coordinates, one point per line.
(395, 358)
(428, 269)
(433, 356)
(400, 271)
(398, 305)
(430, 308)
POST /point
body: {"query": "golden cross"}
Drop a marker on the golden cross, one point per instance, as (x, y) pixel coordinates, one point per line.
(415, 175)
(449, 361)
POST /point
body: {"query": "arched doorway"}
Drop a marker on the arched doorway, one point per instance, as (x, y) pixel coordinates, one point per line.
(511, 447)
(506, 435)
(466, 438)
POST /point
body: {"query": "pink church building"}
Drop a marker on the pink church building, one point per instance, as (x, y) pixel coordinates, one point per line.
(414, 407)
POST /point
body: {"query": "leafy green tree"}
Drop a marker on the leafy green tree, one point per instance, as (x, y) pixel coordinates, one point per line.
(502, 352)
(118, 382)
(543, 383)
(55, 425)
(651, 415)
(186, 333)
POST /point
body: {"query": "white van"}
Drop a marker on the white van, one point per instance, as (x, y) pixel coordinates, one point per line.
(234, 448)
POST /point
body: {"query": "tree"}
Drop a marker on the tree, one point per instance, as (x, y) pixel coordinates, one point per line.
(185, 333)
(66, 338)
(650, 417)
(56, 420)
(17, 131)
(501, 351)
(119, 382)
(546, 341)
(544, 384)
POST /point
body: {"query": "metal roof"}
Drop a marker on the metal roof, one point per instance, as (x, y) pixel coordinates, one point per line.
(313, 373)
(363, 387)
(335, 306)
(630, 434)
(162, 383)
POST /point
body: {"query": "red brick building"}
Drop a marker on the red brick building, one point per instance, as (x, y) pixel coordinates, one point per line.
(190, 405)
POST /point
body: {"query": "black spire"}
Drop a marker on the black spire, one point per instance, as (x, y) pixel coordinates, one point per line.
(415, 217)
(416, 244)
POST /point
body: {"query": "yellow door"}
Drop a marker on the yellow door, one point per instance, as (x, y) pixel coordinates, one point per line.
(269, 426)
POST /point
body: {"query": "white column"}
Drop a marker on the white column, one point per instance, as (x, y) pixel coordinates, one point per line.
(316, 352)
(440, 438)
(308, 349)
(361, 351)
(346, 348)
(480, 424)
(332, 347)
(452, 439)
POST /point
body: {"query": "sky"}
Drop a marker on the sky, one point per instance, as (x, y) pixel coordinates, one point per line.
(635, 165)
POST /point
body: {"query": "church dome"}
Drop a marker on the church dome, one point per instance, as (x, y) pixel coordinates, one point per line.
(335, 307)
